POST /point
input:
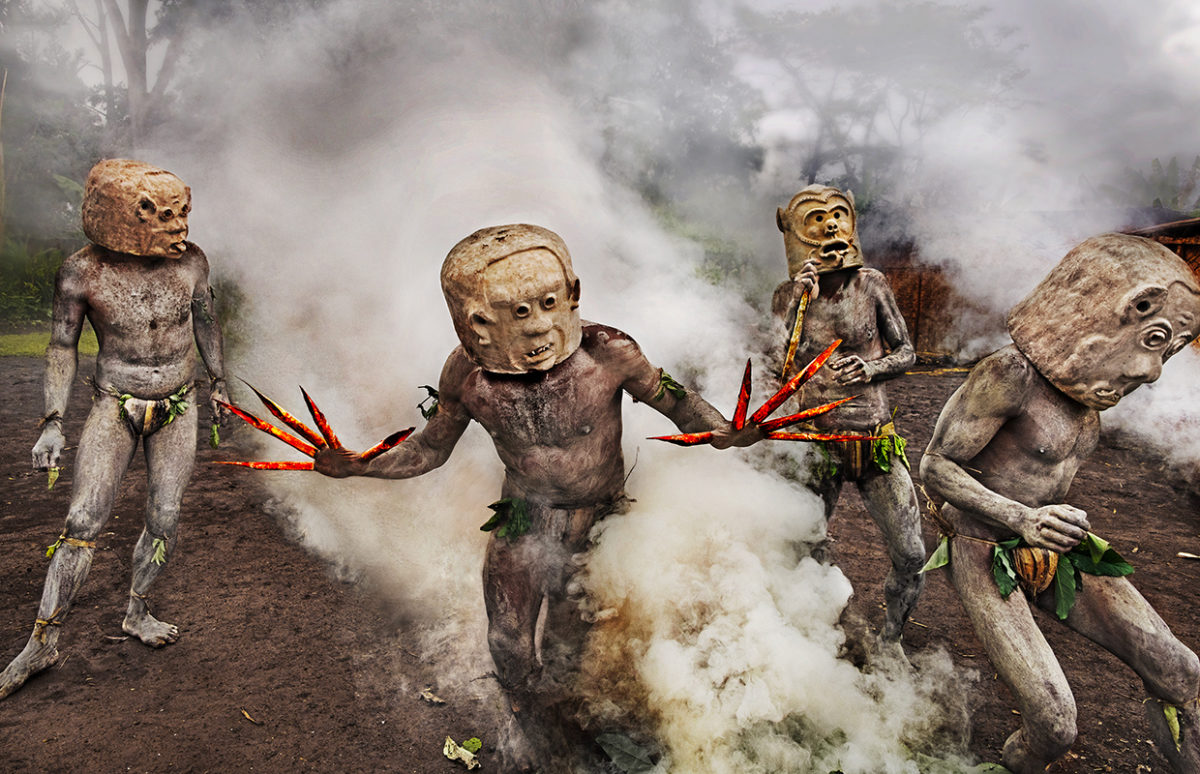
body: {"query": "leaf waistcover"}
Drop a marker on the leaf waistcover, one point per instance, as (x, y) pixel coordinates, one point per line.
(1093, 555)
(511, 519)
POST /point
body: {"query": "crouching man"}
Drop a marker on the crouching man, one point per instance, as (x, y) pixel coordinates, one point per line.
(1004, 452)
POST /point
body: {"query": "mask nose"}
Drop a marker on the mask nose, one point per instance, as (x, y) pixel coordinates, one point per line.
(1144, 368)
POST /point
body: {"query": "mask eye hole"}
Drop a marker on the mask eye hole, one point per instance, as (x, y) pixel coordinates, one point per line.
(549, 302)
(1143, 306)
(146, 205)
(186, 209)
(477, 319)
(166, 214)
(1155, 338)
(521, 311)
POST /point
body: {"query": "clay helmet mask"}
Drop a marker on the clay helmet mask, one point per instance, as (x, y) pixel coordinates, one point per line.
(1106, 318)
(132, 207)
(819, 224)
(513, 298)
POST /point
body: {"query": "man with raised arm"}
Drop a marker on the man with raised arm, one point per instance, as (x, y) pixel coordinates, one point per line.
(1004, 452)
(548, 389)
(145, 290)
(831, 295)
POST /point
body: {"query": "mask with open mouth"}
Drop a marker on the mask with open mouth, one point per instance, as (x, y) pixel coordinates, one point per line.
(819, 224)
(514, 298)
(1106, 318)
(135, 208)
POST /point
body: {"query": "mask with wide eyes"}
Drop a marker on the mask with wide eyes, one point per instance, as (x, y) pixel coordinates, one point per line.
(818, 225)
(134, 208)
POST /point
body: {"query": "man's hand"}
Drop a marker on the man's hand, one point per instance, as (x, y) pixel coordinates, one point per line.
(48, 447)
(1058, 527)
(339, 462)
(852, 370)
(807, 281)
(725, 437)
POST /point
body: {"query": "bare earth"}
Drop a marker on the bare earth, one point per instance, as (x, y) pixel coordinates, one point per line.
(283, 668)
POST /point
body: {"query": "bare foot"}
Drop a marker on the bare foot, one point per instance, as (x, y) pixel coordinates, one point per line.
(150, 630)
(36, 657)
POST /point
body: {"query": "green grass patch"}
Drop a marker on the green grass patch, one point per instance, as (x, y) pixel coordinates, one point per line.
(34, 344)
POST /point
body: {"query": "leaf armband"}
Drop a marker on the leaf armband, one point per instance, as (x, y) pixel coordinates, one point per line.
(667, 384)
(510, 520)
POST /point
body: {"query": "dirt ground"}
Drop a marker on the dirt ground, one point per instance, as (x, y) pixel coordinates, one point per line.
(281, 667)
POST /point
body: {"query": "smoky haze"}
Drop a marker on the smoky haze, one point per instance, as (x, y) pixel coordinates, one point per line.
(336, 158)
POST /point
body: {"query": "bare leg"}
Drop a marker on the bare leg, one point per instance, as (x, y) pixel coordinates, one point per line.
(170, 455)
(105, 449)
(513, 598)
(1113, 614)
(892, 503)
(1023, 659)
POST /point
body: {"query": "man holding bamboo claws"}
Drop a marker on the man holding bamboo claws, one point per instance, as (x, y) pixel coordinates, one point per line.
(145, 290)
(830, 296)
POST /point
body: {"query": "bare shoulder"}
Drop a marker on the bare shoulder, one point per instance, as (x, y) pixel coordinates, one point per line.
(609, 346)
(195, 259)
(76, 268)
(873, 281)
(1002, 380)
(457, 369)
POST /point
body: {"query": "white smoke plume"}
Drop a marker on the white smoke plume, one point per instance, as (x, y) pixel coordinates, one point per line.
(334, 162)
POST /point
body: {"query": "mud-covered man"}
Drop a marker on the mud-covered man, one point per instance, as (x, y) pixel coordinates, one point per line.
(145, 290)
(830, 295)
(1005, 450)
(548, 389)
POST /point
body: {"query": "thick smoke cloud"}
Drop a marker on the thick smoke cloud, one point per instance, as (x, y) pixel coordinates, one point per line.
(337, 158)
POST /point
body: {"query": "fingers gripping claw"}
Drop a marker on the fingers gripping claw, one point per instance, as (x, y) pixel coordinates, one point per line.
(325, 439)
(773, 427)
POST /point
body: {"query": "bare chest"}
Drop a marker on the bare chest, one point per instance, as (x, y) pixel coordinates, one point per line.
(135, 298)
(846, 315)
(579, 405)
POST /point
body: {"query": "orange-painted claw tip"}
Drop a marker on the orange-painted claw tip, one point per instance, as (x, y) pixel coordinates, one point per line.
(391, 442)
(286, 417)
(322, 423)
(270, 429)
(267, 465)
(739, 413)
(782, 436)
(793, 384)
(778, 424)
(685, 439)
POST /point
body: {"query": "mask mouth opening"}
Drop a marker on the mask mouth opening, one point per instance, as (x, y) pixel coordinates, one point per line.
(539, 351)
(835, 246)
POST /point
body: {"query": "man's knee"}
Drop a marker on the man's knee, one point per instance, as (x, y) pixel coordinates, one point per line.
(82, 524)
(1052, 731)
(1174, 674)
(512, 652)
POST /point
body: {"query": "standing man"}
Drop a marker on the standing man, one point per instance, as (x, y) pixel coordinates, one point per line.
(548, 388)
(1003, 455)
(145, 290)
(830, 295)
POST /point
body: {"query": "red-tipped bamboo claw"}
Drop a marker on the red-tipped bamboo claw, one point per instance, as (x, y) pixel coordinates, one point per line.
(319, 441)
(773, 427)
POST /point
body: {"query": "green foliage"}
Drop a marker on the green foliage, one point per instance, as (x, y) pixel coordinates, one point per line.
(472, 745)
(511, 519)
(1170, 186)
(667, 384)
(160, 551)
(34, 344)
(428, 411)
(1002, 566)
(883, 449)
(941, 555)
(27, 281)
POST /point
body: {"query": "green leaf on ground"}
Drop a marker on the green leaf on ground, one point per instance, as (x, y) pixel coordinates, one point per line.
(626, 754)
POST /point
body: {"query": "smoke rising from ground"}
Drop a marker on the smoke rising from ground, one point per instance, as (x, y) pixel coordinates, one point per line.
(334, 162)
